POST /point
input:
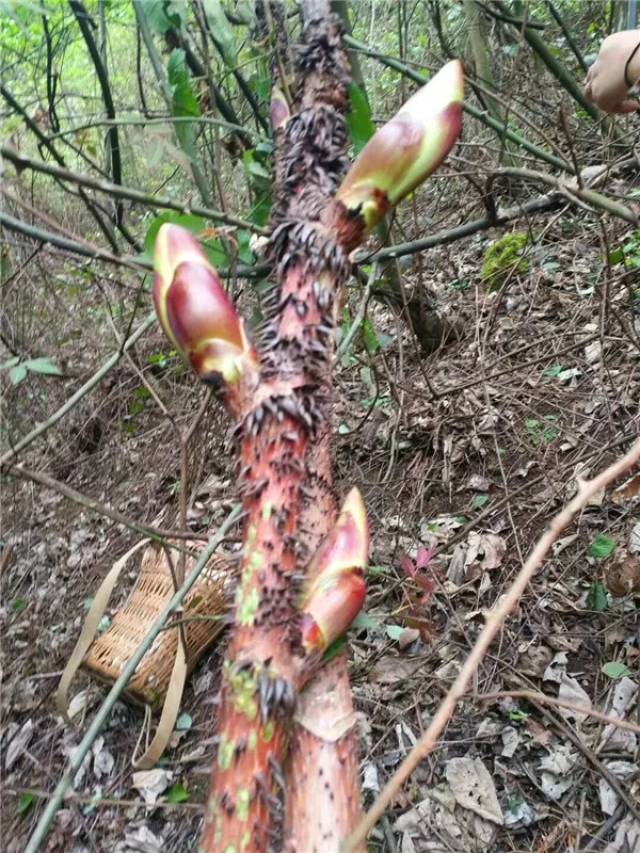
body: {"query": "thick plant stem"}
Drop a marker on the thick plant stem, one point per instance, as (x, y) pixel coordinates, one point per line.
(481, 52)
(284, 482)
(284, 621)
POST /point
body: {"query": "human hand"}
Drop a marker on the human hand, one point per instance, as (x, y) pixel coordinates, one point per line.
(606, 85)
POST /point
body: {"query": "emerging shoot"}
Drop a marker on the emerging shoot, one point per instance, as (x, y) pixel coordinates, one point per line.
(337, 589)
(407, 149)
(195, 312)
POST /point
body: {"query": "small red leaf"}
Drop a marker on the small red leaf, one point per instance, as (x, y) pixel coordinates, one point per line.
(408, 566)
(423, 557)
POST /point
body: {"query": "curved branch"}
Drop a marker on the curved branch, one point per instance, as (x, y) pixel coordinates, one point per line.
(42, 139)
(88, 250)
(114, 143)
(165, 88)
(75, 398)
(564, 77)
(173, 40)
(43, 479)
(203, 23)
(118, 191)
(51, 78)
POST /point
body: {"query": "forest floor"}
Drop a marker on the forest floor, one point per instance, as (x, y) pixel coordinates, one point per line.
(463, 458)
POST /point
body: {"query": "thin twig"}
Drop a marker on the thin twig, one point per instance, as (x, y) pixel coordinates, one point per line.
(118, 191)
(80, 393)
(543, 699)
(156, 533)
(345, 343)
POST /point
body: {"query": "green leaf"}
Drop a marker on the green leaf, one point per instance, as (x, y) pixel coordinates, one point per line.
(553, 371)
(10, 363)
(177, 794)
(221, 30)
(597, 598)
(369, 337)
(184, 722)
(261, 210)
(616, 256)
(185, 103)
(164, 15)
(518, 716)
(253, 167)
(615, 669)
(245, 253)
(359, 123)
(479, 501)
(17, 374)
(364, 621)
(25, 802)
(43, 365)
(335, 648)
(602, 547)
(195, 224)
(394, 631)
(19, 604)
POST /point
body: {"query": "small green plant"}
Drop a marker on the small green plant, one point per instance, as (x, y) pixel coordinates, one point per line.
(616, 669)
(597, 598)
(139, 399)
(542, 432)
(18, 370)
(602, 547)
(628, 253)
(504, 258)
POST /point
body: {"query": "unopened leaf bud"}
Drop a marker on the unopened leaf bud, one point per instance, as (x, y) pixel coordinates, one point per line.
(407, 149)
(195, 311)
(337, 589)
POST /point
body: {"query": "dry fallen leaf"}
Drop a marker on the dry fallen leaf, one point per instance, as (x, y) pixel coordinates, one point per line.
(534, 660)
(485, 552)
(571, 691)
(390, 669)
(627, 838)
(622, 770)
(18, 744)
(622, 574)
(473, 788)
(629, 489)
(152, 783)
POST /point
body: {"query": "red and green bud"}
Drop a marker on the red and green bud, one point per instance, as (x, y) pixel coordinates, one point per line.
(194, 310)
(280, 113)
(406, 150)
(337, 589)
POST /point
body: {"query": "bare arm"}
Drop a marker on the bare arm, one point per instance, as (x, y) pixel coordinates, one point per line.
(607, 84)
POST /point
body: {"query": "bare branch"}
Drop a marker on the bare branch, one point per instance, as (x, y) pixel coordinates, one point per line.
(21, 162)
(95, 506)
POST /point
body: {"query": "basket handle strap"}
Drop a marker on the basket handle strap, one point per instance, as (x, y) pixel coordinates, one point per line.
(89, 628)
(169, 713)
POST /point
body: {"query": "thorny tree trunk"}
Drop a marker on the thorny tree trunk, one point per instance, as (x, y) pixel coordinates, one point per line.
(289, 502)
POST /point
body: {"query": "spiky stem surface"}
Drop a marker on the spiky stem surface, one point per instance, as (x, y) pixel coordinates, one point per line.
(282, 623)
(287, 487)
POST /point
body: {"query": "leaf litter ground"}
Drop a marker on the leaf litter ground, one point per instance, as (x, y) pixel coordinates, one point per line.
(463, 457)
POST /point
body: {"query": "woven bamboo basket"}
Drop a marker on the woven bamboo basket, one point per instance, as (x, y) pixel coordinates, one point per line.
(154, 587)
